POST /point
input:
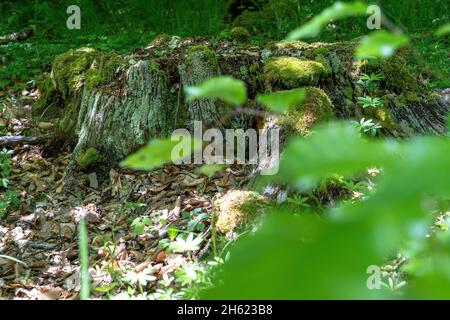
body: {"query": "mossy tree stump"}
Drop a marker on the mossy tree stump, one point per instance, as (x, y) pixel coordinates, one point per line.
(116, 103)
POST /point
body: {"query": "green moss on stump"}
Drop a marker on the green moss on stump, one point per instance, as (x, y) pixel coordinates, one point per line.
(48, 97)
(88, 158)
(102, 70)
(74, 68)
(291, 73)
(397, 77)
(315, 108)
(288, 45)
(240, 34)
(68, 69)
(204, 52)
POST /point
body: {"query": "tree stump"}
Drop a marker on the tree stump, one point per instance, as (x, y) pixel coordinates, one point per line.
(116, 103)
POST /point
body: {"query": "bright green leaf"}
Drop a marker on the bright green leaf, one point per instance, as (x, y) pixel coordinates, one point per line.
(172, 232)
(139, 224)
(380, 44)
(282, 101)
(448, 122)
(308, 160)
(443, 30)
(227, 89)
(339, 10)
(210, 169)
(156, 153)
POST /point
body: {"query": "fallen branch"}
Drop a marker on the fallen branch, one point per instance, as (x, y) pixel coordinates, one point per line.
(15, 140)
(17, 36)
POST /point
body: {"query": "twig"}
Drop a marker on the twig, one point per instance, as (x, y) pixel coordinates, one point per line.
(12, 259)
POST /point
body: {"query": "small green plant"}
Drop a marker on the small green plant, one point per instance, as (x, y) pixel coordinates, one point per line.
(5, 167)
(8, 198)
(187, 244)
(298, 201)
(367, 127)
(139, 224)
(369, 83)
(196, 220)
(369, 102)
(4, 131)
(140, 278)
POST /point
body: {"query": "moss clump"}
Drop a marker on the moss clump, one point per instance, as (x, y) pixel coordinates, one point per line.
(317, 48)
(161, 39)
(235, 209)
(315, 108)
(397, 77)
(324, 61)
(240, 34)
(88, 158)
(74, 68)
(290, 72)
(102, 70)
(68, 69)
(203, 52)
(348, 92)
(46, 106)
(384, 117)
(289, 45)
(165, 40)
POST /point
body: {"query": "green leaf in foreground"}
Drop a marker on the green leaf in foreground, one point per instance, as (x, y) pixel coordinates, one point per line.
(227, 89)
(380, 44)
(156, 153)
(448, 123)
(357, 235)
(339, 10)
(308, 160)
(443, 30)
(282, 101)
(83, 247)
(283, 258)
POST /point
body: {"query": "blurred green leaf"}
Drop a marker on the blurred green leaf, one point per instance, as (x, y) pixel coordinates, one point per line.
(299, 257)
(210, 169)
(304, 257)
(83, 249)
(172, 232)
(334, 149)
(380, 44)
(339, 10)
(282, 101)
(443, 30)
(227, 89)
(156, 153)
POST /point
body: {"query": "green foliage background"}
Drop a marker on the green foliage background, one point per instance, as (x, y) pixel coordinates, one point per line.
(124, 25)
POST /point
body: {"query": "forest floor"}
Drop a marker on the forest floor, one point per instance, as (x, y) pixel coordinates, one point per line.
(42, 231)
